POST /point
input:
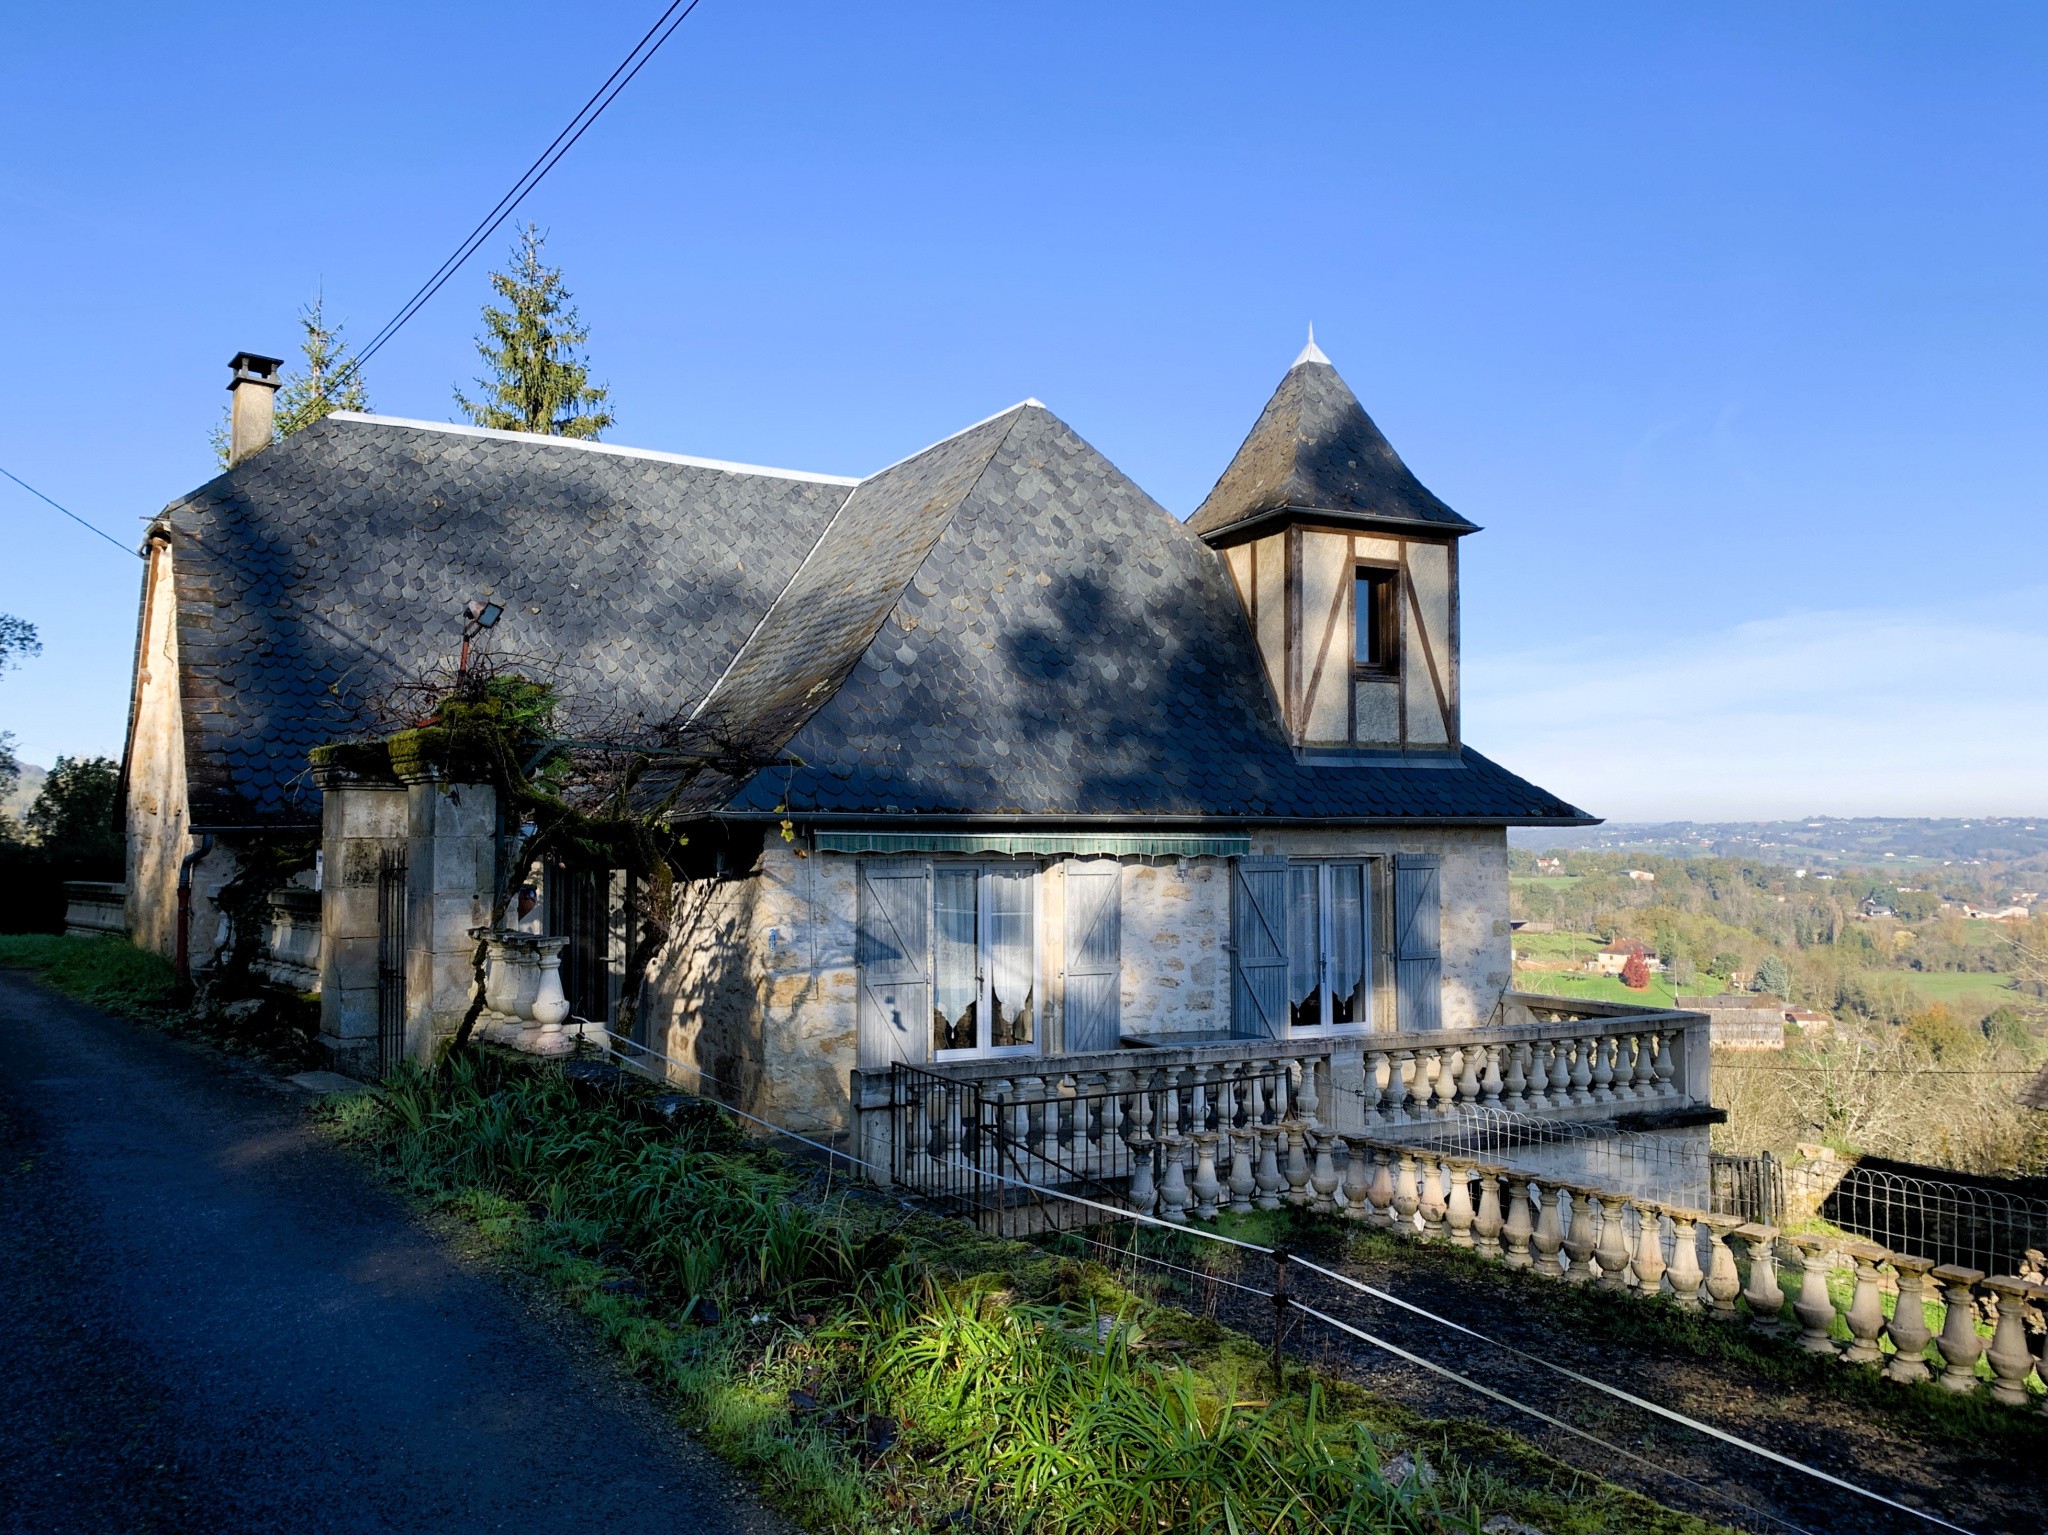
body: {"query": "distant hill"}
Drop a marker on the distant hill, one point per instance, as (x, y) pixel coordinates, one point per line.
(1818, 841)
(16, 804)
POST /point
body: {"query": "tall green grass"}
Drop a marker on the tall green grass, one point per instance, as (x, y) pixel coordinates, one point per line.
(883, 1371)
(107, 972)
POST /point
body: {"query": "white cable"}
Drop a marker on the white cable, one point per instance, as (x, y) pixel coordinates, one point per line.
(1210, 1236)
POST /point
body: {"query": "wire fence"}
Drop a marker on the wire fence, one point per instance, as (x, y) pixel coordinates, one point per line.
(1958, 1223)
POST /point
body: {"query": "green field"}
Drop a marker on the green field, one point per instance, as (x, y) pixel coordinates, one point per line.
(1962, 989)
(1556, 945)
(1547, 881)
(1598, 988)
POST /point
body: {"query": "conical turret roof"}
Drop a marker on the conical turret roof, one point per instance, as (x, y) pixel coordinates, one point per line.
(1316, 451)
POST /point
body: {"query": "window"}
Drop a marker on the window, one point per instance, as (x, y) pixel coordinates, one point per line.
(1329, 945)
(984, 960)
(1376, 621)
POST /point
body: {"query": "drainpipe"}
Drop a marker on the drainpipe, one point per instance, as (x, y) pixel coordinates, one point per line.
(185, 907)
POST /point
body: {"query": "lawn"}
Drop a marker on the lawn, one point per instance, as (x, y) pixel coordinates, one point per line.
(1599, 988)
(1963, 988)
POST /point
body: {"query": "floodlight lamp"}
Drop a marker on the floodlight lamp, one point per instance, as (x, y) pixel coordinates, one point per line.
(483, 615)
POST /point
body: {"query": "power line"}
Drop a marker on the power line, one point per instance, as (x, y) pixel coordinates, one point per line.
(89, 527)
(664, 26)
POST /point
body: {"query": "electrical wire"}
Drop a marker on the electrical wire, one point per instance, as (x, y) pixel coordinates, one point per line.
(89, 527)
(628, 67)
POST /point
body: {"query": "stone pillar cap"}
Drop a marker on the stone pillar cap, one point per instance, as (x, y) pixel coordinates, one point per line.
(1955, 1273)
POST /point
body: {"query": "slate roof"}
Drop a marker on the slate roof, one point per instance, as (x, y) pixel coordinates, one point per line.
(317, 574)
(1053, 643)
(1314, 449)
(1002, 624)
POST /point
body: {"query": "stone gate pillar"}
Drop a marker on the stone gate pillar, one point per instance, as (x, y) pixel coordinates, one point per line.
(362, 819)
(452, 866)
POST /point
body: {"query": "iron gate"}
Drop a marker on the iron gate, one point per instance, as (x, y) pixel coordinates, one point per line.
(1750, 1187)
(579, 909)
(391, 946)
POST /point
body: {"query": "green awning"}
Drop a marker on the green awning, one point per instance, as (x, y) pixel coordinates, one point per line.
(1032, 842)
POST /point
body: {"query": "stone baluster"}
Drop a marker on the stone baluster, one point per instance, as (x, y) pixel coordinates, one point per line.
(1865, 1316)
(1582, 1236)
(1269, 1179)
(1908, 1327)
(1646, 1069)
(1458, 1212)
(1624, 1067)
(1323, 1180)
(1815, 1308)
(1517, 1229)
(1724, 1279)
(1294, 1127)
(1650, 1263)
(1515, 1085)
(1173, 1182)
(1486, 1225)
(1959, 1343)
(1244, 1143)
(1432, 1207)
(1356, 1192)
(951, 1129)
(1407, 1197)
(918, 1153)
(1400, 1087)
(1382, 1191)
(1603, 1068)
(1582, 1071)
(1667, 1062)
(1205, 1186)
(1539, 1075)
(1490, 1083)
(1766, 1299)
(1429, 1065)
(2010, 1362)
(1685, 1273)
(1561, 1075)
(1468, 1079)
(1308, 1105)
(1116, 1110)
(1029, 1097)
(1072, 1136)
(1548, 1238)
(1611, 1251)
(1198, 1096)
(1369, 1096)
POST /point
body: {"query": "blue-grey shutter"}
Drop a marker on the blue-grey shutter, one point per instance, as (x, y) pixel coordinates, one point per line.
(1418, 947)
(1258, 948)
(893, 948)
(1094, 955)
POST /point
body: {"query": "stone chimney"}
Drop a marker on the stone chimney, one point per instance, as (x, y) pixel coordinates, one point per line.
(254, 404)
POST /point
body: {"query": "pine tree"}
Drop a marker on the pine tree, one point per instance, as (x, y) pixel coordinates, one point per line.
(327, 383)
(539, 383)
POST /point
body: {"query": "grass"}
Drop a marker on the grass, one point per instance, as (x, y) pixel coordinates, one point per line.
(1973, 988)
(107, 972)
(1599, 988)
(1545, 881)
(879, 1371)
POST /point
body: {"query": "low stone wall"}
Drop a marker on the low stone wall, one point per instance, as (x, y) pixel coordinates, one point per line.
(95, 910)
(291, 942)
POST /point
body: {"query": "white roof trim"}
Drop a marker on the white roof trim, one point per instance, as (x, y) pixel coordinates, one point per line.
(1007, 410)
(595, 447)
(1309, 353)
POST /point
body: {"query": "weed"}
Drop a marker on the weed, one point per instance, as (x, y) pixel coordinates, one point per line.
(882, 1372)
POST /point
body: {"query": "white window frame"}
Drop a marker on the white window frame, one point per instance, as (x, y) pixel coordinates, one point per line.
(1032, 881)
(1371, 876)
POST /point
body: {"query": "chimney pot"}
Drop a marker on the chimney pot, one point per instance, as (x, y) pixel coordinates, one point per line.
(252, 390)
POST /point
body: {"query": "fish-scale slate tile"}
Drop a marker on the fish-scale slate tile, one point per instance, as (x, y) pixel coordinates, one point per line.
(315, 576)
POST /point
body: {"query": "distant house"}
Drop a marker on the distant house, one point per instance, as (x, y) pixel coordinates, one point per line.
(1550, 866)
(1641, 874)
(1611, 959)
(1808, 1021)
(1998, 914)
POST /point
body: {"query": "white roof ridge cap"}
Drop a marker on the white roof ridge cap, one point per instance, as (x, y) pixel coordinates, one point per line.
(1310, 353)
(463, 429)
(1007, 410)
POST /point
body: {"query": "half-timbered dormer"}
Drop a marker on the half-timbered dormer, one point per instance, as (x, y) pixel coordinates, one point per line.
(1347, 568)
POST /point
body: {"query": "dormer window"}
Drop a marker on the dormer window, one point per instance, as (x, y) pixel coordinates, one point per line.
(1376, 622)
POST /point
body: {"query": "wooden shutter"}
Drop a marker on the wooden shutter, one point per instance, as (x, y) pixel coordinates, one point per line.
(1258, 948)
(894, 954)
(1418, 949)
(1094, 955)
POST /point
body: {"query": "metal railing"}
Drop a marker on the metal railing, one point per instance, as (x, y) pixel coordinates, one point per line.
(1956, 1223)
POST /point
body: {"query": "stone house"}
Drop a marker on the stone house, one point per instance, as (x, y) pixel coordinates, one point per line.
(1061, 777)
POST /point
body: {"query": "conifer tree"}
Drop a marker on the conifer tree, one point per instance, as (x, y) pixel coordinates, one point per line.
(538, 381)
(327, 383)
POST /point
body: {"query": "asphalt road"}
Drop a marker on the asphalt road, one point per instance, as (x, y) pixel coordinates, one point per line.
(209, 1322)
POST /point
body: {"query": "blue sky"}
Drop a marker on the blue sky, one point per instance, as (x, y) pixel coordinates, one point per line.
(1727, 322)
